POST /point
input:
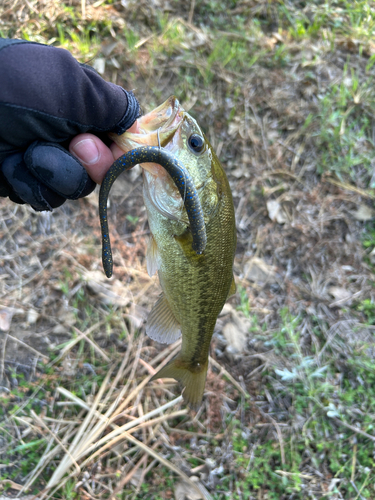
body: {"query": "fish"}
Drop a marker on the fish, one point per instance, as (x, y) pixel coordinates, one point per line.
(195, 286)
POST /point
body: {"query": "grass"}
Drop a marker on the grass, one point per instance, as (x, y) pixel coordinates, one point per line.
(284, 92)
(312, 398)
(345, 130)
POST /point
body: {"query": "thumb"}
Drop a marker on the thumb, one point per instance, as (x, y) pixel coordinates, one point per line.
(94, 155)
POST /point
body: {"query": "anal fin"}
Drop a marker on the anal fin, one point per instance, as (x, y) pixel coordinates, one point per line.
(232, 289)
(193, 379)
(162, 325)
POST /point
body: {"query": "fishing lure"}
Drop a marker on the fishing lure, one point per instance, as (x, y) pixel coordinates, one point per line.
(182, 180)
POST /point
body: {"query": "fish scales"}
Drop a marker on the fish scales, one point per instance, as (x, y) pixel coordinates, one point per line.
(199, 285)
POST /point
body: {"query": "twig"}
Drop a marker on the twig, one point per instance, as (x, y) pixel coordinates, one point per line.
(73, 342)
(40, 422)
(345, 299)
(348, 187)
(229, 376)
(130, 474)
(354, 461)
(2, 362)
(260, 125)
(165, 462)
(279, 433)
(191, 13)
(85, 336)
(126, 427)
(354, 429)
(293, 474)
(28, 347)
(76, 445)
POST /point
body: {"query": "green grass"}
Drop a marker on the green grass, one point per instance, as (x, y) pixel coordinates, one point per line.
(86, 373)
(30, 396)
(368, 237)
(344, 130)
(367, 307)
(320, 397)
(354, 19)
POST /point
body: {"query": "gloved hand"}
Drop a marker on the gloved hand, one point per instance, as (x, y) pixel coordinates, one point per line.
(48, 100)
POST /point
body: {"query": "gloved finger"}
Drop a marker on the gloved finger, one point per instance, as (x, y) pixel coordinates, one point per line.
(25, 188)
(57, 169)
(7, 191)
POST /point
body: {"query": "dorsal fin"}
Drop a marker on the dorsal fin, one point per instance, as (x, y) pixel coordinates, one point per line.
(162, 325)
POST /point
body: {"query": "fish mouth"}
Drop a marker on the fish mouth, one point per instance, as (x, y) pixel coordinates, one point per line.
(165, 120)
(156, 128)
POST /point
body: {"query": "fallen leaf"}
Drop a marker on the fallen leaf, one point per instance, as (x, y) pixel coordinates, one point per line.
(258, 271)
(185, 491)
(236, 331)
(227, 309)
(372, 256)
(136, 477)
(93, 198)
(108, 48)
(32, 316)
(364, 213)
(67, 316)
(114, 292)
(59, 329)
(5, 319)
(115, 63)
(137, 315)
(12, 484)
(235, 337)
(275, 212)
(339, 293)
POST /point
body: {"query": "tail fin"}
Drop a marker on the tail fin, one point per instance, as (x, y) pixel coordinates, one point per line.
(193, 380)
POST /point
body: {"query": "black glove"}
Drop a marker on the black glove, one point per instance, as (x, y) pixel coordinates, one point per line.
(47, 98)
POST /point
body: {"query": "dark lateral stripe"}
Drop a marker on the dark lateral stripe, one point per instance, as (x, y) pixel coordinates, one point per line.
(180, 177)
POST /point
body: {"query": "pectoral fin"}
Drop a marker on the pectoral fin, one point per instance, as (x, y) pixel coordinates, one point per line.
(152, 257)
(162, 325)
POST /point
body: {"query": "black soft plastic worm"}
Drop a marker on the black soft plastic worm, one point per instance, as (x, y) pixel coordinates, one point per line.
(182, 180)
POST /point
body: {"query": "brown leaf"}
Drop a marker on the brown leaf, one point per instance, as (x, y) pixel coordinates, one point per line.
(5, 319)
(109, 292)
(184, 491)
(339, 293)
(259, 271)
(364, 213)
(236, 331)
(276, 212)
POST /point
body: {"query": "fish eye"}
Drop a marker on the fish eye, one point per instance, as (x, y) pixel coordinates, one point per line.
(196, 143)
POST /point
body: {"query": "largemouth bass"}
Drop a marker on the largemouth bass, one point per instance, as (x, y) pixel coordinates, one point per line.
(195, 287)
